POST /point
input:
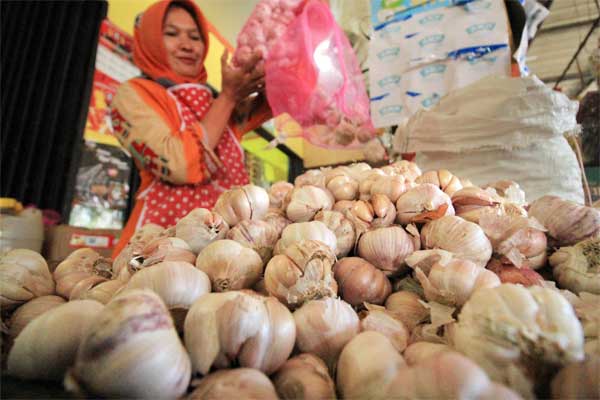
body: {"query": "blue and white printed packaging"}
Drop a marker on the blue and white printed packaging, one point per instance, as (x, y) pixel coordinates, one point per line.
(420, 52)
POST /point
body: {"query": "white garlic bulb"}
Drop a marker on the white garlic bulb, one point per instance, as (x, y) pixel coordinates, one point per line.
(408, 169)
(277, 193)
(470, 202)
(306, 201)
(423, 203)
(463, 238)
(118, 355)
(454, 283)
(313, 230)
(391, 186)
(577, 268)
(276, 218)
(567, 222)
(342, 228)
(121, 267)
(516, 333)
(359, 282)
(379, 363)
(386, 248)
(30, 310)
(167, 249)
(179, 284)
(229, 265)
(101, 290)
(257, 235)
(303, 272)
(443, 179)
(312, 177)
(239, 204)
(252, 330)
(201, 227)
(343, 187)
(238, 383)
(81, 270)
(47, 346)
(24, 275)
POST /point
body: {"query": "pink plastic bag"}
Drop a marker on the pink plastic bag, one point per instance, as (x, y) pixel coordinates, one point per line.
(267, 23)
(313, 75)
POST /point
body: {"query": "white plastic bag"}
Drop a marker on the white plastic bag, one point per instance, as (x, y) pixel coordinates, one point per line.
(500, 128)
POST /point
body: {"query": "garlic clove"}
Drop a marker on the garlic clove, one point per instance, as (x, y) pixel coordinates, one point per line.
(324, 327)
(47, 346)
(117, 357)
(443, 179)
(391, 186)
(386, 248)
(239, 383)
(359, 282)
(407, 307)
(102, 293)
(343, 188)
(367, 365)
(30, 310)
(229, 265)
(304, 377)
(24, 274)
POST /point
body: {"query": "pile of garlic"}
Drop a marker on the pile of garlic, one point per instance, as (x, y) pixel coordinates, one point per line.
(355, 282)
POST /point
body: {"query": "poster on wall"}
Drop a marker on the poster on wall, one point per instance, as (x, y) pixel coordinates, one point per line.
(102, 189)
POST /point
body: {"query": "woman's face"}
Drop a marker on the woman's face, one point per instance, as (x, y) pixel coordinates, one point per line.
(183, 43)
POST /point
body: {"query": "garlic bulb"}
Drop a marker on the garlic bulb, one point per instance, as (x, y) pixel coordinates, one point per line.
(391, 186)
(101, 290)
(123, 262)
(343, 188)
(586, 309)
(445, 375)
(517, 334)
(359, 281)
(568, 223)
(179, 284)
(239, 383)
(426, 259)
(30, 310)
(519, 239)
(453, 283)
(277, 193)
(24, 275)
(229, 265)
(257, 331)
(407, 307)
(366, 180)
(201, 227)
(439, 327)
(367, 365)
(167, 249)
(314, 230)
(303, 272)
(508, 273)
(420, 351)
(324, 327)
(257, 235)
(423, 203)
(578, 381)
(470, 202)
(341, 227)
(386, 248)
(47, 346)
(131, 349)
(463, 238)
(312, 177)
(306, 201)
(304, 377)
(577, 268)
(276, 218)
(443, 179)
(81, 270)
(378, 319)
(242, 203)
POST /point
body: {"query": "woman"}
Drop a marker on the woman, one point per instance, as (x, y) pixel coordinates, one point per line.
(183, 142)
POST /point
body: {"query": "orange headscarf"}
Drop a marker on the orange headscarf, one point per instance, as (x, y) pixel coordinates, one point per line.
(149, 52)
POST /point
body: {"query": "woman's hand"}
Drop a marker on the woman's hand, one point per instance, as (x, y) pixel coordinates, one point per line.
(239, 82)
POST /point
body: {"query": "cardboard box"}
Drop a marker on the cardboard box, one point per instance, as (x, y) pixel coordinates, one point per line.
(62, 240)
